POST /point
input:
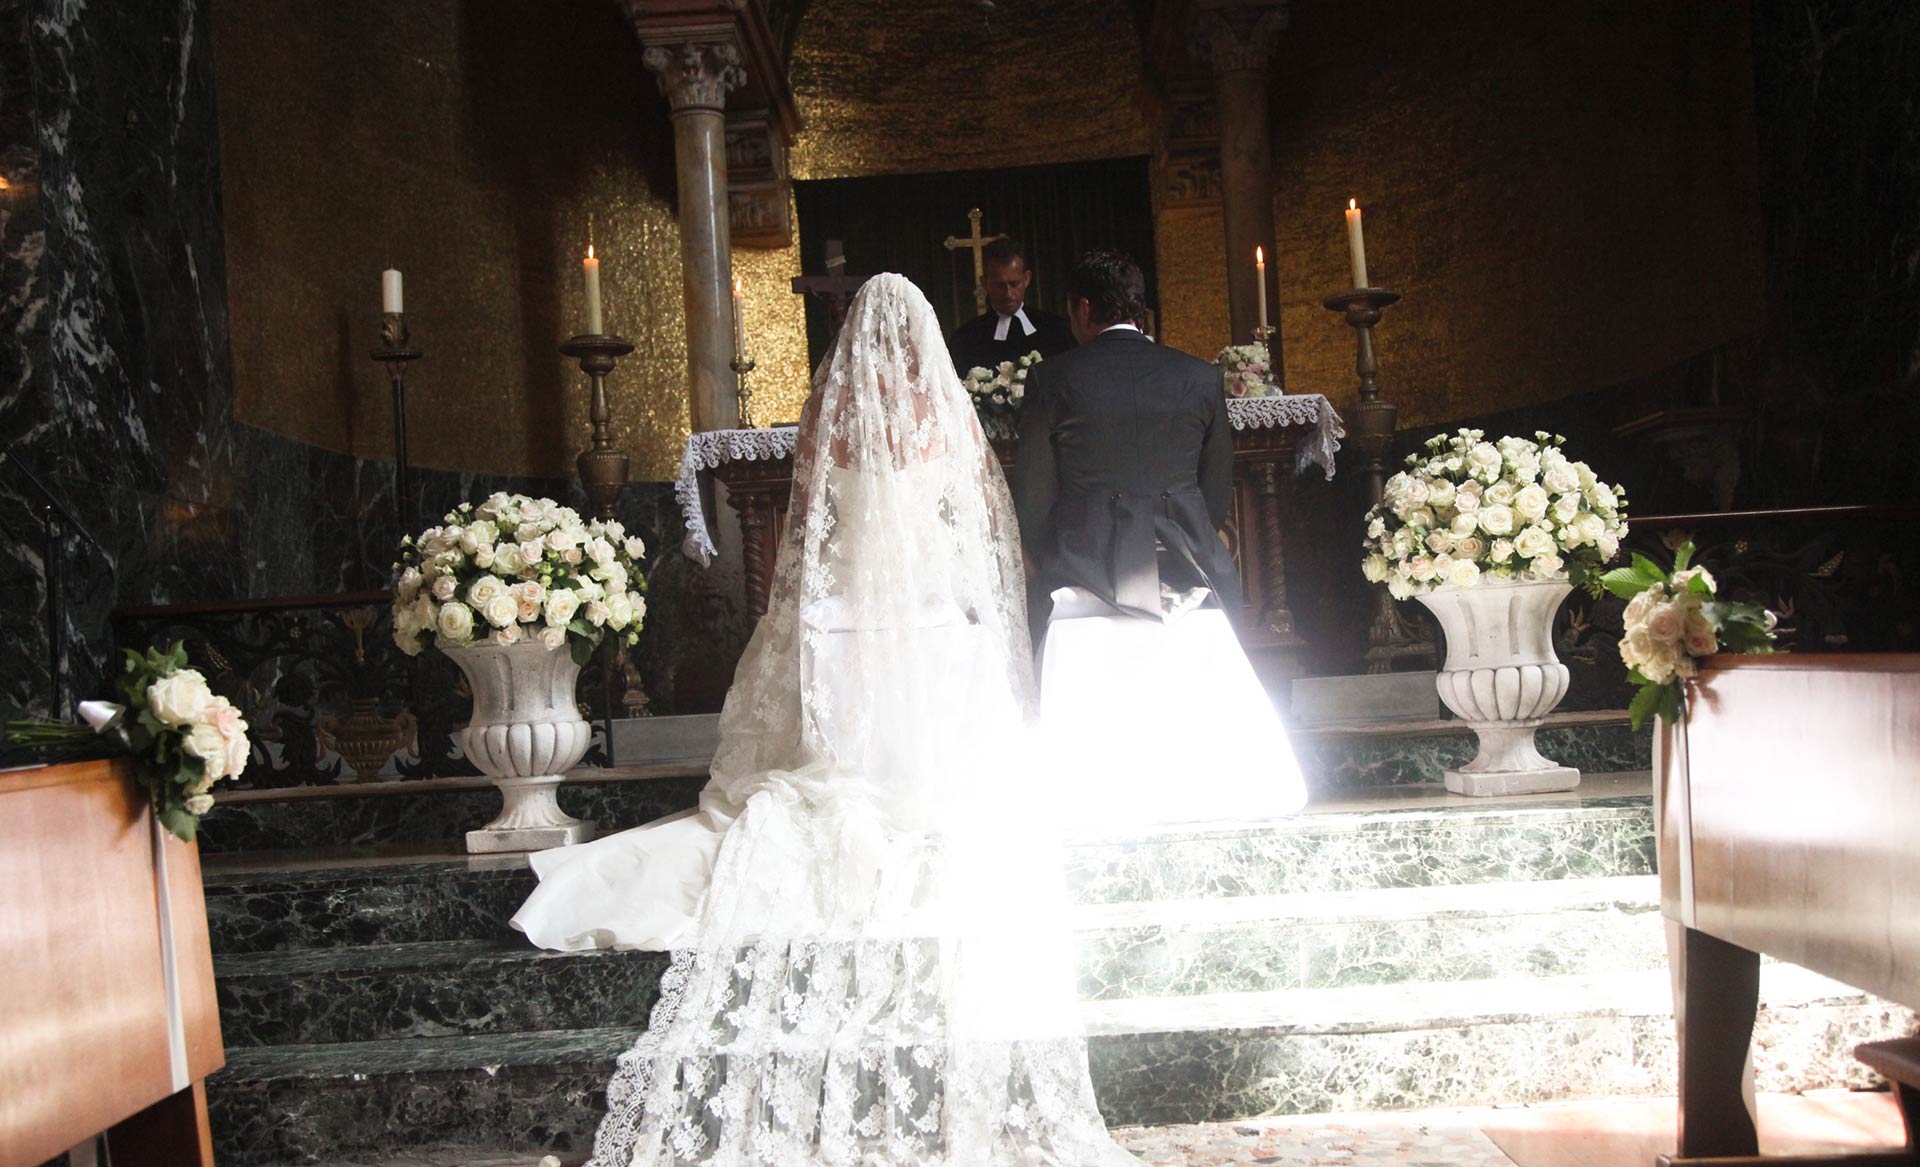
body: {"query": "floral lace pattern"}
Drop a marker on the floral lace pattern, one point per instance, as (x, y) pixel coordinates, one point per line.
(877, 973)
(705, 451)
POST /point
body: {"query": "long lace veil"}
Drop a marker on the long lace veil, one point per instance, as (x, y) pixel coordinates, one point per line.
(879, 972)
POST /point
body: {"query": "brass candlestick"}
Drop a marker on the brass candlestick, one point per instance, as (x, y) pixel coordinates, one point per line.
(394, 351)
(1263, 336)
(1371, 426)
(603, 469)
(742, 365)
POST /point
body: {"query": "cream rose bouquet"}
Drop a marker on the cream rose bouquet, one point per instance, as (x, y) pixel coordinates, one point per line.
(1469, 510)
(1247, 370)
(1000, 390)
(181, 735)
(517, 568)
(1673, 619)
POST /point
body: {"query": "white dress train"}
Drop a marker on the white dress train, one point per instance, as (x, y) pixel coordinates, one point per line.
(871, 954)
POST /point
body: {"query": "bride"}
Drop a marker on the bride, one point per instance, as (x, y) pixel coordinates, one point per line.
(871, 961)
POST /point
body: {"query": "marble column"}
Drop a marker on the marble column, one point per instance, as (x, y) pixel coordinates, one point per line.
(696, 76)
(1238, 40)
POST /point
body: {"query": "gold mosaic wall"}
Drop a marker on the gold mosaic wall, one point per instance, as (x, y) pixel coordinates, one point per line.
(776, 331)
(1566, 195)
(1190, 254)
(907, 87)
(469, 145)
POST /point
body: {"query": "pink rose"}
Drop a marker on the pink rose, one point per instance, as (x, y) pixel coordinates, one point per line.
(1666, 623)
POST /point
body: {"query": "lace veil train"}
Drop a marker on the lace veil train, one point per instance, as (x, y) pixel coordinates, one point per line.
(879, 972)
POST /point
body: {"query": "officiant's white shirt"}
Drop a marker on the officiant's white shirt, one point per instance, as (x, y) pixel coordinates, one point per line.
(1026, 326)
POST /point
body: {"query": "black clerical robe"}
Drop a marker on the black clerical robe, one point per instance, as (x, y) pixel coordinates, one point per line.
(973, 345)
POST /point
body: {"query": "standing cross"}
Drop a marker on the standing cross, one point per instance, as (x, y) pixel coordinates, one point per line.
(976, 243)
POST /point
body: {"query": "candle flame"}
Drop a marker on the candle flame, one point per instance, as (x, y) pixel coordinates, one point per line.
(1353, 204)
(1259, 255)
(736, 285)
(589, 251)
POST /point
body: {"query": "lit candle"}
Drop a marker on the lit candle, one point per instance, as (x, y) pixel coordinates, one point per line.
(390, 299)
(590, 272)
(1260, 277)
(1356, 246)
(739, 322)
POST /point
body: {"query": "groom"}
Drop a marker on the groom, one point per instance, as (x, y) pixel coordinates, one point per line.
(1126, 461)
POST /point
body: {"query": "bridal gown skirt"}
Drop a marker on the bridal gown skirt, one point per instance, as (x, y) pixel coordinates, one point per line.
(1150, 723)
(861, 976)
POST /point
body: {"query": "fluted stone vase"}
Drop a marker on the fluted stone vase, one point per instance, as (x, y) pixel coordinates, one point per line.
(1502, 678)
(526, 733)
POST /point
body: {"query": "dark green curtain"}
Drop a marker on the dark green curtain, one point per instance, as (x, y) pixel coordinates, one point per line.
(897, 222)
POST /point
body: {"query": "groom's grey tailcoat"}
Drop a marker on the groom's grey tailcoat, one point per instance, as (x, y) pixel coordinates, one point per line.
(1126, 472)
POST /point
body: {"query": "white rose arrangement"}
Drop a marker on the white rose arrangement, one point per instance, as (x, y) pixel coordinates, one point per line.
(182, 736)
(1468, 510)
(1247, 370)
(517, 568)
(1673, 619)
(1000, 390)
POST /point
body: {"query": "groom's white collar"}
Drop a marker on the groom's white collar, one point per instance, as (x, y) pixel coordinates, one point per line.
(1020, 314)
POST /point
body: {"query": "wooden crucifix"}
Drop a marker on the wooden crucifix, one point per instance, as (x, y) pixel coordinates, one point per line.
(976, 243)
(836, 289)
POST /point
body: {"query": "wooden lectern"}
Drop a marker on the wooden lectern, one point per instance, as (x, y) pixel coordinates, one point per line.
(1786, 806)
(107, 1014)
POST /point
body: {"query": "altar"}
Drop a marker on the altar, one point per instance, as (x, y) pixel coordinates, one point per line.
(1275, 440)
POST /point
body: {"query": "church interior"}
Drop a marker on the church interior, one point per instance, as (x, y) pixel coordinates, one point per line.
(286, 282)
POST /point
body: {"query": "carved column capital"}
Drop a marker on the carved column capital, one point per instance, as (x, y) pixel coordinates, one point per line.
(696, 74)
(1238, 37)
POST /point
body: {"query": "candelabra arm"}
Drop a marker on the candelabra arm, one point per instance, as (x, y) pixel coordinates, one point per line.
(603, 469)
(742, 365)
(395, 351)
(1371, 426)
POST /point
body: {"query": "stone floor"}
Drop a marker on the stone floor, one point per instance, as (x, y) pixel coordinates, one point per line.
(1597, 1133)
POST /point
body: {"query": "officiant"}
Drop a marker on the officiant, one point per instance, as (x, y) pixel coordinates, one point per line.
(1010, 328)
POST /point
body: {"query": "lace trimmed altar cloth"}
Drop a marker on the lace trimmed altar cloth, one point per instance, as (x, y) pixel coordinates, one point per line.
(716, 448)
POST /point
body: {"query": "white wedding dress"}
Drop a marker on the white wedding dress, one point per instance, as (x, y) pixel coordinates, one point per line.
(871, 960)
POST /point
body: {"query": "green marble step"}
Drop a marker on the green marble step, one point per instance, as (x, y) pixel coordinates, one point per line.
(428, 989)
(1404, 838)
(1153, 1061)
(1185, 948)
(1318, 940)
(1338, 760)
(1508, 1041)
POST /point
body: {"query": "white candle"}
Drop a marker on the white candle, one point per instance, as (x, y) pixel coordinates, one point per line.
(590, 272)
(1260, 277)
(390, 298)
(739, 322)
(1356, 246)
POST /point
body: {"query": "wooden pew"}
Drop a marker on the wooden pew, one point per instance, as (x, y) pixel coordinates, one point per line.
(1787, 806)
(107, 1014)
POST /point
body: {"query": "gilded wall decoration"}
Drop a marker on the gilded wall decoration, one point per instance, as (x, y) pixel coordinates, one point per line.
(469, 153)
(1567, 199)
(776, 330)
(888, 88)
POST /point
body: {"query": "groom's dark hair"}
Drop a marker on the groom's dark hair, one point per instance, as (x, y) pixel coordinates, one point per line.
(1112, 284)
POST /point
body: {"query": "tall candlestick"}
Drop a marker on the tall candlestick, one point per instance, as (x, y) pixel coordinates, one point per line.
(739, 322)
(1356, 246)
(590, 272)
(1260, 278)
(391, 301)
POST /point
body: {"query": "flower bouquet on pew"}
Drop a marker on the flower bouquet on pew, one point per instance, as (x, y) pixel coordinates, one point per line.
(1674, 619)
(181, 735)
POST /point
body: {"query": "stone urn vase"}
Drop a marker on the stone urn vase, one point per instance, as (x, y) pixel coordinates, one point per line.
(526, 733)
(1502, 678)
